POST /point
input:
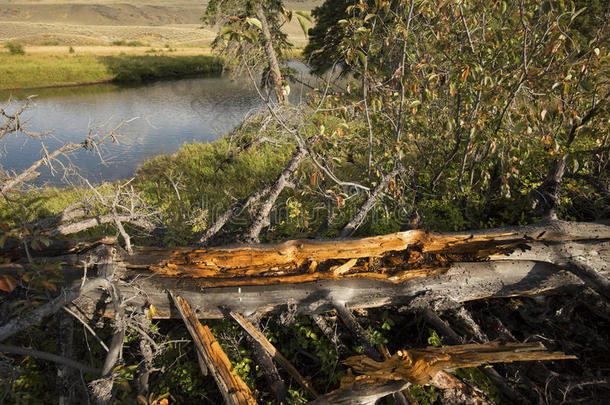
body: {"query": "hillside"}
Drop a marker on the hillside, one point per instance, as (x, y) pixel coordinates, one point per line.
(155, 22)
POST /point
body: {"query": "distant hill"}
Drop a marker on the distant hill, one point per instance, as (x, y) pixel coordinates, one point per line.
(153, 21)
(102, 14)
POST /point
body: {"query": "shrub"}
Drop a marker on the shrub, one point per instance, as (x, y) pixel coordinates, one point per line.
(15, 48)
(128, 43)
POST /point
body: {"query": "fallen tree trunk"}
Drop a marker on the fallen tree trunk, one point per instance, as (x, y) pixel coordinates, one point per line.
(315, 276)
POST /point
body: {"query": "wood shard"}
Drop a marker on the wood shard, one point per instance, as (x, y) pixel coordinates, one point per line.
(344, 268)
(231, 386)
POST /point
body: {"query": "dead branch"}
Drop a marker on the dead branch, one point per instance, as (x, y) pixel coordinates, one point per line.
(261, 219)
(370, 202)
(233, 210)
(65, 377)
(16, 325)
(86, 326)
(270, 372)
(91, 142)
(362, 336)
(49, 357)
(420, 366)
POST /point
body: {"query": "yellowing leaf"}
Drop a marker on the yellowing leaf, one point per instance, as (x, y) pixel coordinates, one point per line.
(7, 283)
(48, 285)
(152, 311)
(465, 73)
(254, 21)
(303, 25)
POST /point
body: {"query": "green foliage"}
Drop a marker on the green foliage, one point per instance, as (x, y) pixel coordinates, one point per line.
(425, 395)
(212, 171)
(325, 37)
(15, 48)
(477, 378)
(434, 339)
(182, 378)
(453, 96)
(304, 336)
(32, 386)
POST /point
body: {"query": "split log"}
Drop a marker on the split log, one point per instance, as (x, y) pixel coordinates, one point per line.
(403, 255)
(389, 269)
(234, 391)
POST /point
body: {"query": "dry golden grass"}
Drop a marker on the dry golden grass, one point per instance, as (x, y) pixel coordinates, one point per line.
(154, 22)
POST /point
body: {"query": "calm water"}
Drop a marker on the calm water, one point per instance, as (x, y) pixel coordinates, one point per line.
(162, 116)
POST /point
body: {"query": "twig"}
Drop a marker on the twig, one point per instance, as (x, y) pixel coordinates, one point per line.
(86, 325)
(49, 357)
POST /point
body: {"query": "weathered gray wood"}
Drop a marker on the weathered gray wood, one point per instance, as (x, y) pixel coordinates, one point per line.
(462, 282)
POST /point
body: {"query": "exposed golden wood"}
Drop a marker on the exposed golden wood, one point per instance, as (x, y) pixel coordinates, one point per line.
(420, 366)
(426, 366)
(395, 258)
(231, 386)
(273, 352)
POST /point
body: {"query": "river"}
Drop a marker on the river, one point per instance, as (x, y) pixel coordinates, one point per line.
(161, 117)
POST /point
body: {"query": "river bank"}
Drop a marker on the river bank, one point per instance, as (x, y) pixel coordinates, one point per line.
(40, 67)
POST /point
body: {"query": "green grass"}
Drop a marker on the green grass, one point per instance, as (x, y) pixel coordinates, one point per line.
(20, 71)
(40, 70)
